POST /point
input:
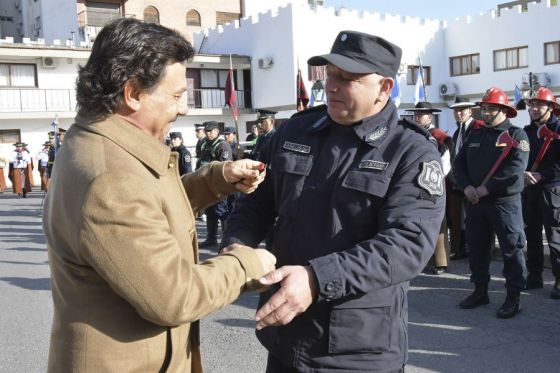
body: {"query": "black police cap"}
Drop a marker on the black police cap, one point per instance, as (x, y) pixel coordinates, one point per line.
(424, 106)
(264, 114)
(198, 126)
(229, 130)
(175, 135)
(211, 125)
(360, 53)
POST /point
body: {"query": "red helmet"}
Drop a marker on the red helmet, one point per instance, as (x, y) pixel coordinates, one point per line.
(497, 96)
(545, 94)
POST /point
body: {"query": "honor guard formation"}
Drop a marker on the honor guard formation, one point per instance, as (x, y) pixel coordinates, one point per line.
(351, 200)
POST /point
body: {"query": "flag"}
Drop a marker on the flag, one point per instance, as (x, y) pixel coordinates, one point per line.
(518, 96)
(301, 93)
(229, 92)
(419, 93)
(396, 92)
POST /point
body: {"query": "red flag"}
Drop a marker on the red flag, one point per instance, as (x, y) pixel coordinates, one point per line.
(301, 93)
(230, 94)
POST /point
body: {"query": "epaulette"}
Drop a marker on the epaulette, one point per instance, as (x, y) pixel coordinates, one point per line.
(310, 110)
(417, 128)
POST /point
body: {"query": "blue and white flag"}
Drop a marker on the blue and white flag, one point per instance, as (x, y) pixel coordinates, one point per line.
(396, 92)
(419, 93)
(518, 96)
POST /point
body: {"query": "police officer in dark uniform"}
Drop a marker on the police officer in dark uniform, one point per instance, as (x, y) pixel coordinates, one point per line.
(57, 143)
(355, 198)
(201, 136)
(214, 148)
(185, 159)
(229, 136)
(266, 122)
(493, 189)
(541, 197)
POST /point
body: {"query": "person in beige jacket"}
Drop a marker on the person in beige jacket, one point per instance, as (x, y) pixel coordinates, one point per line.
(119, 221)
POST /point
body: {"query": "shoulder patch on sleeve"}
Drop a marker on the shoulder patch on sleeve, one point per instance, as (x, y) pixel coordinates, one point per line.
(431, 178)
(524, 145)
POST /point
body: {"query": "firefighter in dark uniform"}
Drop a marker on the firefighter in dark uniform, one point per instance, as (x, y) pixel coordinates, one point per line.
(356, 199)
(200, 136)
(423, 113)
(214, 148)
(266, 122)
(462, 111)
(493, 186)
(185, 159)
(542, 189)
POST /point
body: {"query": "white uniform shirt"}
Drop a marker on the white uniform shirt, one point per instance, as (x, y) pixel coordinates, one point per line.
(43, 158)
(20, 160)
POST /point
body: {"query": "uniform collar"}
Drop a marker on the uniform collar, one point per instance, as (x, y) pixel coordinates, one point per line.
(372, 130)
(504, 126)
(147, 149)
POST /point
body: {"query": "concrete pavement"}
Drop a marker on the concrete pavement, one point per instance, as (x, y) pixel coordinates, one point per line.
(442, 337)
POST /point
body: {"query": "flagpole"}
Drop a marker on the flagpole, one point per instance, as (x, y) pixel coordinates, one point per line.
(238, 146)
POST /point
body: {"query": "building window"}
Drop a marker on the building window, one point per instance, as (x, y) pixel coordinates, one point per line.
(224, 17)
(552, 52)
(151, 14)
(99, 14)
(412, 74)
(193, 18)
(18, 75)
(464, 65)
(315, 73)
(10, 136)
(511, 58)
(214, 78)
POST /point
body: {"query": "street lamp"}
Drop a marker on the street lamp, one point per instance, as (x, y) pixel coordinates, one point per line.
(318, 91)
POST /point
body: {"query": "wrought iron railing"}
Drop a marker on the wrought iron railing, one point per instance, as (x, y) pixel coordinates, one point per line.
(215, 98)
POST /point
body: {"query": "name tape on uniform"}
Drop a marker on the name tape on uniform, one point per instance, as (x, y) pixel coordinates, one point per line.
(299, 148)
(373, 165)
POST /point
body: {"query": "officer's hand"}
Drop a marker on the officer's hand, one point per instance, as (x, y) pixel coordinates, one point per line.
(296, 293)
(481, 192)
(470, 193)
(246, 174)
(531, 178)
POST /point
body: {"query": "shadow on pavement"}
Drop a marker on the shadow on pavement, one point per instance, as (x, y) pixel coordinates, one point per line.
(29, 283)
(240, 323)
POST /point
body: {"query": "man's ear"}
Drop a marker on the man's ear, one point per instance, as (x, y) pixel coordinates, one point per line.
(386, 88)
(131, 96)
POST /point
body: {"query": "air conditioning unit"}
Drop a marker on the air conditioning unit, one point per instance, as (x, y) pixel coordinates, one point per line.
(265, 63)
(402, 68)
(48, 63)
(447, 89)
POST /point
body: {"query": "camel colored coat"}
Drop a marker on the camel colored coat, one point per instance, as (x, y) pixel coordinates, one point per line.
(126, 283)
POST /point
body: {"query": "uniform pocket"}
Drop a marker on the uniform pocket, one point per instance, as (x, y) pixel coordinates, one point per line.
(367, 182)
(362, 324)
(292, 163)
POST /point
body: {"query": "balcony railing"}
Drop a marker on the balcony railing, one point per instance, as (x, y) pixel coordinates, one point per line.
(37, 100)
(56, 100)
(215, 98)
(99, 18)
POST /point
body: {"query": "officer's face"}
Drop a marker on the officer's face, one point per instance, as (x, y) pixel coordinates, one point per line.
(229, 137)
(158, 108)
(462, 114)
(423, 119)
(200, 134)
(266, 125)
(212, 134)
(176, 141)
(353, 97)
(539, 110)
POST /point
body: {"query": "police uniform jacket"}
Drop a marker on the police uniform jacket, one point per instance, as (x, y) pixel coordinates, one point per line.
(363, 206)
(215, 150)
(549, 168)
(184, 158)
(479, 153)
(120, 228)
(262, 142)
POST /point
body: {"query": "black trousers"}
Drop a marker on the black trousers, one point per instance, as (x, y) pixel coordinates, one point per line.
(541, 208)
(506, 220)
